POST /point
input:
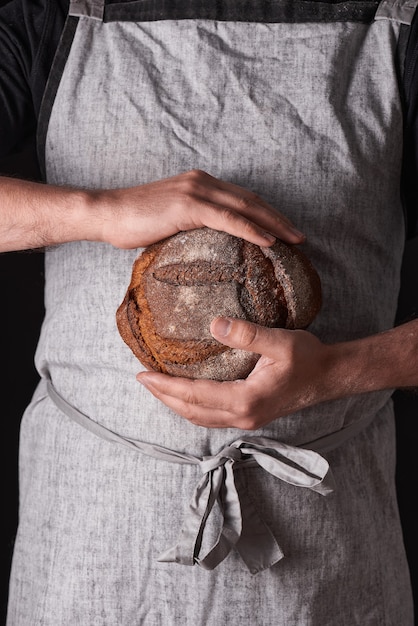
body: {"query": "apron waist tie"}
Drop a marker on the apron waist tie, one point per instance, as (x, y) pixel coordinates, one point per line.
(242, 527)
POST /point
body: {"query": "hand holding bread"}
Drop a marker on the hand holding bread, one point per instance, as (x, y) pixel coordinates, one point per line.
(142, 215)
(182, 283)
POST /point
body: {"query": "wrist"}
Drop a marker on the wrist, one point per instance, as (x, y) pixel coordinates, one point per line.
(350, 369)
(35, 215)
(70, 214)
(82, 216)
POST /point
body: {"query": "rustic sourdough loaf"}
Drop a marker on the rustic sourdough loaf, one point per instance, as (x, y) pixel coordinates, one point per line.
(179, 285)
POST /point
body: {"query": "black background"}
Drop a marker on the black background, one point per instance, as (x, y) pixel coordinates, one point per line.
(21, 310)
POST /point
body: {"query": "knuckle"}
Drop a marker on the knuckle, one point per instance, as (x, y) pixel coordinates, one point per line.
(245, 408)
(254, 198)
(289, 349)
(247, 226)
(225, 217)
(225, 214)
(241, 411)
(247, 334)
(188, 411)
(191, 182)
(245, 203)
(190, 399)
(249, 423)
(191, 417)
(196, 172)
(187, 187)
(196, 175)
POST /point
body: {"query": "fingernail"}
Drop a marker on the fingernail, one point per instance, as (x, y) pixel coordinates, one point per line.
(297, 232)
(144, 379)
(268, 237)
(221, 326)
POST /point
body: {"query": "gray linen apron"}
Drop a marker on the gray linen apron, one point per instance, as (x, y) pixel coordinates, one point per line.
(298, 101)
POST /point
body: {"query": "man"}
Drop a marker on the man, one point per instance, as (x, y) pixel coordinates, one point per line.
(292, 107)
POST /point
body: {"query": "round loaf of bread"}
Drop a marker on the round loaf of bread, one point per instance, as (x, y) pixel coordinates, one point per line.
(179, 285)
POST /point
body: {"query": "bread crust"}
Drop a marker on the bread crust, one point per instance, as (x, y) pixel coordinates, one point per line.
(181, 283)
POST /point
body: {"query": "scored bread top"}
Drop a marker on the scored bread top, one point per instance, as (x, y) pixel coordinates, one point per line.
(179, 285)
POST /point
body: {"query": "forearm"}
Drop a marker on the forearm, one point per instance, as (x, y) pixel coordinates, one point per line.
(34, 215)
(388, 360)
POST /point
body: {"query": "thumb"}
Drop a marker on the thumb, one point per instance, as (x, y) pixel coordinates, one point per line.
(237, 333)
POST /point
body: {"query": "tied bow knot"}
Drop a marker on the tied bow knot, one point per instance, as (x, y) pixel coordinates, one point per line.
(230, 453)
(242, 527)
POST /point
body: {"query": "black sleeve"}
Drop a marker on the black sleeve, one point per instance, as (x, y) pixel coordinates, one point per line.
(410, 165)
(29, 34)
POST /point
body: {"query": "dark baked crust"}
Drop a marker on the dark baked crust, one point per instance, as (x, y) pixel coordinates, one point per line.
(180, 284)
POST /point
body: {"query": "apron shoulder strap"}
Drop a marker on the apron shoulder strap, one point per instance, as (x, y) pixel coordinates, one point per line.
(87, 8)
(397, 11)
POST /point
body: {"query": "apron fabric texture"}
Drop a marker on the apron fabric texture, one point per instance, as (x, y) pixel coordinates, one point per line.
(298, 101)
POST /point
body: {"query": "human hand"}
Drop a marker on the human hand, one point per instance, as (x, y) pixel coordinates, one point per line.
(293, 372)
(34, 215)
(138, 216)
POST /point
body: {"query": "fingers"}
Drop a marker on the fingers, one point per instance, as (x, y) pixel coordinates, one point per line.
(196, 392)
(247, 336)
(239, 211)
(273, 221)
(236, 224)
(293, 372)
(206, 403)
(232, 404)
(239, 224)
